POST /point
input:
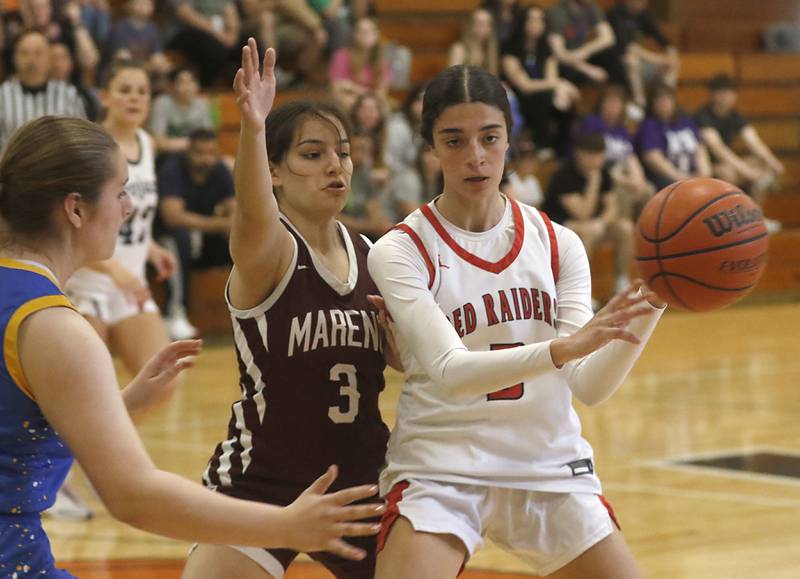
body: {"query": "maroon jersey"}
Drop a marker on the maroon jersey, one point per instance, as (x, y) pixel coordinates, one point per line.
(311, 370)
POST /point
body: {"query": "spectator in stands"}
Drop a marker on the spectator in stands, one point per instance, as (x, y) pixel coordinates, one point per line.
(522, 183)
(631, 23)
(545, 99)
(360, 67)
(721, 125)
(364, 210)
(38, 15)
(30, 94)
(669, 142)
(581, 196)
(62, 68)
(96, 18)
(504, 15)
(404, 144)
(302, 41)
(136, 37)
(179, 112)
(583, 42)
(208, 35)
(633, 188)
(196, 207)
(478, 44)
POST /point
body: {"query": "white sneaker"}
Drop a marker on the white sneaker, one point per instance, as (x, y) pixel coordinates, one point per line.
(773, 225)
(69, 506)
(179, 328)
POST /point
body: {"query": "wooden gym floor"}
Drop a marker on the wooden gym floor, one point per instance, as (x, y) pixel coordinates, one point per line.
(707, 385)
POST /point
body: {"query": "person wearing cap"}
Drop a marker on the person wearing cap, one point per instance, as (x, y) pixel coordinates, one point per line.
(721, 126)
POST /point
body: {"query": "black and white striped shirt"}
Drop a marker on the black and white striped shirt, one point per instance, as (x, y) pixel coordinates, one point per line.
(19, 104)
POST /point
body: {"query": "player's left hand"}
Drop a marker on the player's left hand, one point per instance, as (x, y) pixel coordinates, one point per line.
(163, 260)
(155, 382)
(390, 350)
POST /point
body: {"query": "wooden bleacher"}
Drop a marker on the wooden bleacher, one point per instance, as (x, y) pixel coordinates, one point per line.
(769, 95)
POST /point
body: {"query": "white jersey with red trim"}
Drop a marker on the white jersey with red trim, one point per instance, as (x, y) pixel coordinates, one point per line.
(497, 288)
(136, 234)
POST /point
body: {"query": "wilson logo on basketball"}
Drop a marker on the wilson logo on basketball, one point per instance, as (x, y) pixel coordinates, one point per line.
(725, 221)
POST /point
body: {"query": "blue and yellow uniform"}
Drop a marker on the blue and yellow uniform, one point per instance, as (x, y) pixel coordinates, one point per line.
(34, 460)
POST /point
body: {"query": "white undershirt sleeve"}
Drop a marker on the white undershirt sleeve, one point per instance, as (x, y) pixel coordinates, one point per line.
(597, 376)
(402, 278)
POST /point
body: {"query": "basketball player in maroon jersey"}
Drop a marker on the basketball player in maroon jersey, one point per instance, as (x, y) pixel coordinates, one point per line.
(308, 343)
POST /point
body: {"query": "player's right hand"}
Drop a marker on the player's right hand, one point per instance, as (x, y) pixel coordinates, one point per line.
(255, 92)
(135, 290)
(317, 521)
(610, 323)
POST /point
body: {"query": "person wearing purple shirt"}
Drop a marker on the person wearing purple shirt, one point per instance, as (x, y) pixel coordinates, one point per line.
(621, 161)
(669, 142)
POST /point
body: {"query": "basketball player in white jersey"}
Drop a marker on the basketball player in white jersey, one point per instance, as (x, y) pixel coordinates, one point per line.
(113, 295)
(492, 317)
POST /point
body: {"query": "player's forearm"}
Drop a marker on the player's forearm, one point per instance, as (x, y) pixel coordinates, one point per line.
(255, 203)
(596, 377)
(170, 505)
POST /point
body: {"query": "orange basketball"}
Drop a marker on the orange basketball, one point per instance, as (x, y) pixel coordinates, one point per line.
(701, 244)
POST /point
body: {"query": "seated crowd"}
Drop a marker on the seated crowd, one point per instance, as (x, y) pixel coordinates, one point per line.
(612, 157)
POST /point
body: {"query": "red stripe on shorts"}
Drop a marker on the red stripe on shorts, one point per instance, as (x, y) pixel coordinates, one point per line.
(610, 510)
(391, 513)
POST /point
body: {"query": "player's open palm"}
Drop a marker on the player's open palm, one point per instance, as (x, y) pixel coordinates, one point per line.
(610, 323)
(254, 88)
(155, 382)
(318, 521)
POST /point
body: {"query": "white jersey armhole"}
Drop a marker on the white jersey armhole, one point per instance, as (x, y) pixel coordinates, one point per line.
(273, 297)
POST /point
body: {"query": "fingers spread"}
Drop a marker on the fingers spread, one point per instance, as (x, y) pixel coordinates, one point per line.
(346, 496)
(359, 512)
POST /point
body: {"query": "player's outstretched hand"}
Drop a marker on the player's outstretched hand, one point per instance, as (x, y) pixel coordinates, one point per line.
(610, 323)
(155, 382)
(255, 89)
(317, 521)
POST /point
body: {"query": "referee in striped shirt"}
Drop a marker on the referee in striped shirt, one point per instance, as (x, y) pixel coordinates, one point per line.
(31, 94)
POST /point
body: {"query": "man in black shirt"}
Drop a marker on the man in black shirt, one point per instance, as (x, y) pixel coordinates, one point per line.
(632, 23)
(581, 197)
(196, 205)
(721, 125)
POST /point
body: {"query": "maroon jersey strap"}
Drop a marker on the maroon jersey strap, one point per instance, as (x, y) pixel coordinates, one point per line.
(553, 245)
(421, 247)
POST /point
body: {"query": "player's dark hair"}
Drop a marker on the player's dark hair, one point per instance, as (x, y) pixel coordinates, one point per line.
(284, 121)
(44, 161)
(457, 85)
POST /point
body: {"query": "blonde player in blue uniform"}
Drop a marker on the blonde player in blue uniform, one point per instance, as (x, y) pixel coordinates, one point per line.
(493, 321)
(62, 202)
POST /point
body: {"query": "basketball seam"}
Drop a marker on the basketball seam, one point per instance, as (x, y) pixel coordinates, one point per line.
(700, 283)
(704, 250)
(688, 219)
(658, 247)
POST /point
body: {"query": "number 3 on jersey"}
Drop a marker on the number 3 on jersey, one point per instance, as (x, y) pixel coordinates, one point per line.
(514, 392)
(345, 376)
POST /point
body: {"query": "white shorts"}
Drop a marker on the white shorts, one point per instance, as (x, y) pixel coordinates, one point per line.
(547, 530)
(105, 302)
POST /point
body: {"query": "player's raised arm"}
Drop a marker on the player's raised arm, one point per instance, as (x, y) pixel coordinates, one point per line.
(261, 248)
